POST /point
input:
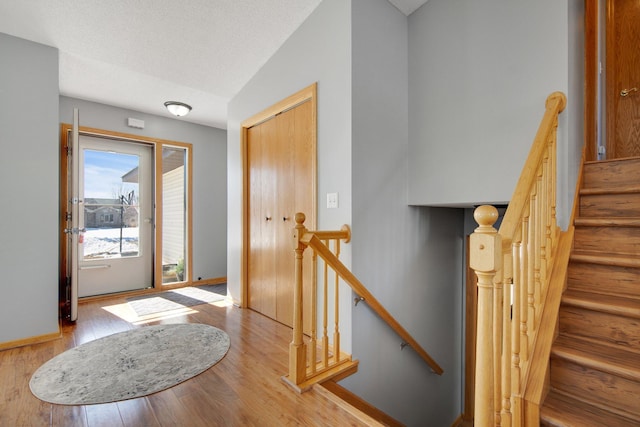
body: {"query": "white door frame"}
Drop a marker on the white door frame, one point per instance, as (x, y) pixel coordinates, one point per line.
(111, 274)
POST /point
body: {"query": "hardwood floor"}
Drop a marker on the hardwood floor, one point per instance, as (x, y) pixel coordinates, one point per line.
(243, 389)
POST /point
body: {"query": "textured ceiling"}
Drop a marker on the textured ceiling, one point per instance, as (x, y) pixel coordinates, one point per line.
(139, 54)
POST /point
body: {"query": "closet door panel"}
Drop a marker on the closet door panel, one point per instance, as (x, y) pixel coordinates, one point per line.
(285, 258)
(261, 268)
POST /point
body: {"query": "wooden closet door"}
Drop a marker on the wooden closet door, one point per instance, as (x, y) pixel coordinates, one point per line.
(281, 172)
(262, 194)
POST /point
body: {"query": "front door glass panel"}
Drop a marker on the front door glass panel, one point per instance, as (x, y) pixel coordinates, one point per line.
(111, 209)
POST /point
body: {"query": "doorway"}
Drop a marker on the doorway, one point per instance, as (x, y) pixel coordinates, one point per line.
(142, 215)
(115, 246)
(612, 79)
(279, 150)
(622, 79)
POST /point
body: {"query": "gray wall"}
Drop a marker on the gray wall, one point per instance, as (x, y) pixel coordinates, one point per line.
(479, 74)
(574, 114)
(319, 51)
(408, 257)
(209, 172)
(29, 174)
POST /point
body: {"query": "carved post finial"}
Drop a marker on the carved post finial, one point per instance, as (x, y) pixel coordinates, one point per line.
(485, 216)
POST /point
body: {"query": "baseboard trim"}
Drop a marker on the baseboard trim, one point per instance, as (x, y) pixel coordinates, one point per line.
(355, 405)
(461, 421)
(213, 281)
(31, 340)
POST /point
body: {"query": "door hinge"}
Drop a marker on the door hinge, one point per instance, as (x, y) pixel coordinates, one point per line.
(602, 149)
(74, 230)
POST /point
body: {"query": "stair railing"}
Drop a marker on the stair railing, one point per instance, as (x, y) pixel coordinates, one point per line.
(306, 367)
(515, 270)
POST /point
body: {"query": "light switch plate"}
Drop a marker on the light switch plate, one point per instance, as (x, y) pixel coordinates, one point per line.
(332, 200)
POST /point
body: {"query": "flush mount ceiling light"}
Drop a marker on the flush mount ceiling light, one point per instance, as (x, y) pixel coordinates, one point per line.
(177, 108)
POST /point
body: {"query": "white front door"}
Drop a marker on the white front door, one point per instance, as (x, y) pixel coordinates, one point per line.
(115, 244)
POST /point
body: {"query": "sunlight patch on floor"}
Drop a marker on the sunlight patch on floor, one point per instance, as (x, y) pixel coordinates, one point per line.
(127, 313)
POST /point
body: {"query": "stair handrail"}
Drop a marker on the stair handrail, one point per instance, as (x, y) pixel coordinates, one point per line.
(515, 267)
(554, 105)
(302, 370)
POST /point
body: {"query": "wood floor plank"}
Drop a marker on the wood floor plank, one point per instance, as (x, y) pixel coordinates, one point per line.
(137, 412)
(243, 389)
(104, 415)
(168, 409)
(31, 411)
(65, 415)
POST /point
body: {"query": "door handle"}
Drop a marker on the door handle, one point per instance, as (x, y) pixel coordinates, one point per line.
(268, 218)
(627, 92)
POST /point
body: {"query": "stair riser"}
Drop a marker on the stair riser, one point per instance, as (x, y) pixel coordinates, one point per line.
(607, 328)
(604, 279)
(609, 240)
(611, 175)
(610, 205)
(596, 386)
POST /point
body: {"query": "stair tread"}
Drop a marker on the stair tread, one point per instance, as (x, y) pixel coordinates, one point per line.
(622, 260)
(607, 222)
(622, 189)
(562, 410)
(621, 160)
(624, 306)
(605, 358)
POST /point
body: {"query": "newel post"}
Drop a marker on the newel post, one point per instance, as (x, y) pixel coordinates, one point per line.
(297, 348)
(485, 259)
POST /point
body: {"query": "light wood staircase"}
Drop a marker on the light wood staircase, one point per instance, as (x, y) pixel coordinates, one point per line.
(595, 360)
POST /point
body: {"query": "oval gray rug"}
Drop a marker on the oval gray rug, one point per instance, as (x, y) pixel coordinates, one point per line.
(129, 364)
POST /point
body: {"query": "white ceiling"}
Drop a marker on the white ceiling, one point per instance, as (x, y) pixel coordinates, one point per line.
(139, 54)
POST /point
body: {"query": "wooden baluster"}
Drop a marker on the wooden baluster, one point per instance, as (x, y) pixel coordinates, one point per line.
(516, 404)
(498, 342)
(485, 259)
(531, 286)
(507, 305)
(297, 348)
(551, 225)
(325, 319)
(539, 248)
(524, 277)
(336, 333)
(544, 208)
(313, 342)
(554, 179)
